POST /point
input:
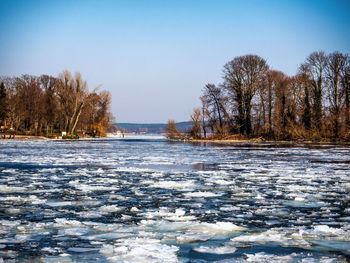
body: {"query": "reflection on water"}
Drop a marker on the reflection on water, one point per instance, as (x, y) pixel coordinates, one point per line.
(146, 200)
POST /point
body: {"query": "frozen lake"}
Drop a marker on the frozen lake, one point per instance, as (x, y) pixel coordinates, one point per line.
(142, 199)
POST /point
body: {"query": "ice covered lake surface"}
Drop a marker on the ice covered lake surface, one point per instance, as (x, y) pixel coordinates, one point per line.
(148, 200)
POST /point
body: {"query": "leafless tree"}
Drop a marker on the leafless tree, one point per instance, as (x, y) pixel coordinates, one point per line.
(242, 76)
(346, 91)
(196, 118)
(205, 114)
(73, 94)
(334, 72)
(171, 130)
(215, 99)
(315, 68)
(3, 104)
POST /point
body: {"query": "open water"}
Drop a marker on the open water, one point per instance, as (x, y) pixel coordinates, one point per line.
(149, 200)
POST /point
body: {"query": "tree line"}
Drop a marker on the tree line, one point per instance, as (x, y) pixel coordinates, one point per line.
(256, 101)
(48, 105)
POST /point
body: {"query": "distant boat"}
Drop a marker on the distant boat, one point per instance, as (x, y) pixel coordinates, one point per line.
(117, 134)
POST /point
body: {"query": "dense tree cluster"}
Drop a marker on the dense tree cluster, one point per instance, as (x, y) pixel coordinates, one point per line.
(254, 100)
(48, 105)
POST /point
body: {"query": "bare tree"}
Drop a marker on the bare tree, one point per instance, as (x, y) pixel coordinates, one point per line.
(242, 76)
(282, 108)
(103, 115)
(302, 83)
(196, 123)
(73, 94)
(3, 104)
(171, 130)
(27, 104)
(50, 102)
(216, 102)
(346, 91)
(335, 68)
(273, 91)
(315, 68)
(12, 118)
(204, 114)
(262, 101)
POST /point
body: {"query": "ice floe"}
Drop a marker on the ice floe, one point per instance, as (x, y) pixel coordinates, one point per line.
(201, 194)
(216, 250)
(140, 250)
(178, 185)
(12, 189)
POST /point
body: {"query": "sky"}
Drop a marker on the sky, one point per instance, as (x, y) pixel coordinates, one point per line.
(156, 56)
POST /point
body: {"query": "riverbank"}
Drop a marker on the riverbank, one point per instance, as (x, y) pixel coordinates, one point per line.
(262, 141)
(34, 137)
(28, 137)
(252, 141)
(226, 140)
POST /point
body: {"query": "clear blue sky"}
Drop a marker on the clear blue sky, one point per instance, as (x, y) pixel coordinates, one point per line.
(155, 56)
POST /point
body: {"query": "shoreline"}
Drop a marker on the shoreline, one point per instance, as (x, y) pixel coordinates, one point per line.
(26, 137)
(261, 141)
(212, 141)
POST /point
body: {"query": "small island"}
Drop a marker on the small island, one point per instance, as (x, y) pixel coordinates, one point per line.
(256, 103)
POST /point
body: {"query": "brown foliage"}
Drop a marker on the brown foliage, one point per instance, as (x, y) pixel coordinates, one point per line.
(196, 117)
(171, 130)
(45, 105)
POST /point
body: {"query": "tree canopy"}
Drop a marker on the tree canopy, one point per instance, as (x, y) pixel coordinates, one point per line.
(254, 100)
(48, 105)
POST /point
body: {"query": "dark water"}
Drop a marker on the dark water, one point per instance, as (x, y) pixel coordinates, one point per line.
(147, 200)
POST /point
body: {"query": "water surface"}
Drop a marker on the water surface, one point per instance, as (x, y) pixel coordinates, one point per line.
(147, 200)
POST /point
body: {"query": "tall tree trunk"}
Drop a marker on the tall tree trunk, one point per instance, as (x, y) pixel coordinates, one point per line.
(247, 109)
(317, 107)
(78, 116)
(218, 108)
(270, 109)
(204, 126)
(346, 85)
(240, 108)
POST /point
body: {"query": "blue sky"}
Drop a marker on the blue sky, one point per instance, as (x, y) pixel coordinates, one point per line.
(155, 56)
